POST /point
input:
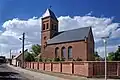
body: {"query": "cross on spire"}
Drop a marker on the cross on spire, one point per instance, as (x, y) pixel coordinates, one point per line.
(50, 6)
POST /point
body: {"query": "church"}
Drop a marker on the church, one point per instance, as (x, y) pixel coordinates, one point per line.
(71, 44)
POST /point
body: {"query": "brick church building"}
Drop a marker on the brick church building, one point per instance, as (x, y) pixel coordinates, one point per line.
(71, 44)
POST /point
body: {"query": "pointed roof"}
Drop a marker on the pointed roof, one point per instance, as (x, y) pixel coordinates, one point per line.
(49, 13)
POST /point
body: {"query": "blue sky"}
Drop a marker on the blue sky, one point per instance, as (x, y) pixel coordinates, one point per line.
(25, 9)
(102, 13)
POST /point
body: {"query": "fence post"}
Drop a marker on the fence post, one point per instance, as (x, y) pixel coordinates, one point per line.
(38, 65)
(72, 68)
(33, 65)
(118, 69)
(51, 66)
(60, 64)
(43, 66)
(30, 65)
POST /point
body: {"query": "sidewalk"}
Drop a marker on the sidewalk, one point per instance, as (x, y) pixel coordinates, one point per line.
(43, 75)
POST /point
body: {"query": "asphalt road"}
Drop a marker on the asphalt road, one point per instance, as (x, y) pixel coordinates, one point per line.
(7, 73)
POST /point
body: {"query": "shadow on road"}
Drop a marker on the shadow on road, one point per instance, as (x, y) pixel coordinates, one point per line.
(9, 76)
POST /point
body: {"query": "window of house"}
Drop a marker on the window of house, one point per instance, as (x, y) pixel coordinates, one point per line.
(43, 26)
(47, 25)
(56, 52)
(69, 52)
(63, 52)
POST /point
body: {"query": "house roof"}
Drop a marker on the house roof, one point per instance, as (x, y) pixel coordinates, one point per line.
(49, 13)
(17, 56)
(70, 35)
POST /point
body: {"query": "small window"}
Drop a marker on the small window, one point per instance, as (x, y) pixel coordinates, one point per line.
(43, 26)
(45, 38)
(47, 25)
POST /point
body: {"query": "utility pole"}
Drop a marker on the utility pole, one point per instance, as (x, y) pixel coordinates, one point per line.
(10, 54)
(23, 50)
(10, 58)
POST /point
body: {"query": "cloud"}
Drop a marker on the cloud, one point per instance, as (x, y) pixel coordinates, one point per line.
(9, 39)
(110, 48)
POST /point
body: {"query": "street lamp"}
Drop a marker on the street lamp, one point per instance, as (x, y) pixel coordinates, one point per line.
(105, 53)
(23, 38)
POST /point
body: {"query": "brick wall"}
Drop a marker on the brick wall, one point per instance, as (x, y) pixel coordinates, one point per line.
(56, 67)
(48, 66)
(79, 49)
(67, 67)
(82, 68)
(35, 65)
(41, 66)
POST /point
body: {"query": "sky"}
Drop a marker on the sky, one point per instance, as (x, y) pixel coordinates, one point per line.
(18, 16)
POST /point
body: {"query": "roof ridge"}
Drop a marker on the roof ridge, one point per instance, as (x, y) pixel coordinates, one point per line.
(75, 29)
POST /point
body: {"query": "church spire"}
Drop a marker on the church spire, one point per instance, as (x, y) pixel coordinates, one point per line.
(49, 13)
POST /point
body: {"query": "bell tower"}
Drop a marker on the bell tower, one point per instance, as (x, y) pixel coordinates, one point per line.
(49, 28)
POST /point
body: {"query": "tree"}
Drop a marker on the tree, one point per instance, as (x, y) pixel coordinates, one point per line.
(36, 49)
(97, 57)
(114, 56)
(29, 57)
(111, 56)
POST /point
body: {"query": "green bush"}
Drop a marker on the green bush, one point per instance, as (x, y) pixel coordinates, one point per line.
(56, 59)
(44, 59)
(40, 59)
(73, 59)
(36, 59)
(49, 59)
(78, 59)
(62, 59)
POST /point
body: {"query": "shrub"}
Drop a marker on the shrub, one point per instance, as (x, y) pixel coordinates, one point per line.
(36, 59)
(57, 59)
(49, 60)
(44, 60)
(73, 59)
(78, 59)
(62, 59)
(40, 59)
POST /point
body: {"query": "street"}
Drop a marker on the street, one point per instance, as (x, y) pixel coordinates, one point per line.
(7, 73)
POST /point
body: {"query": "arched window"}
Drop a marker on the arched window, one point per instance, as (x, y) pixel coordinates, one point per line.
(56, 52)
(63, 52)
(69, 52)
